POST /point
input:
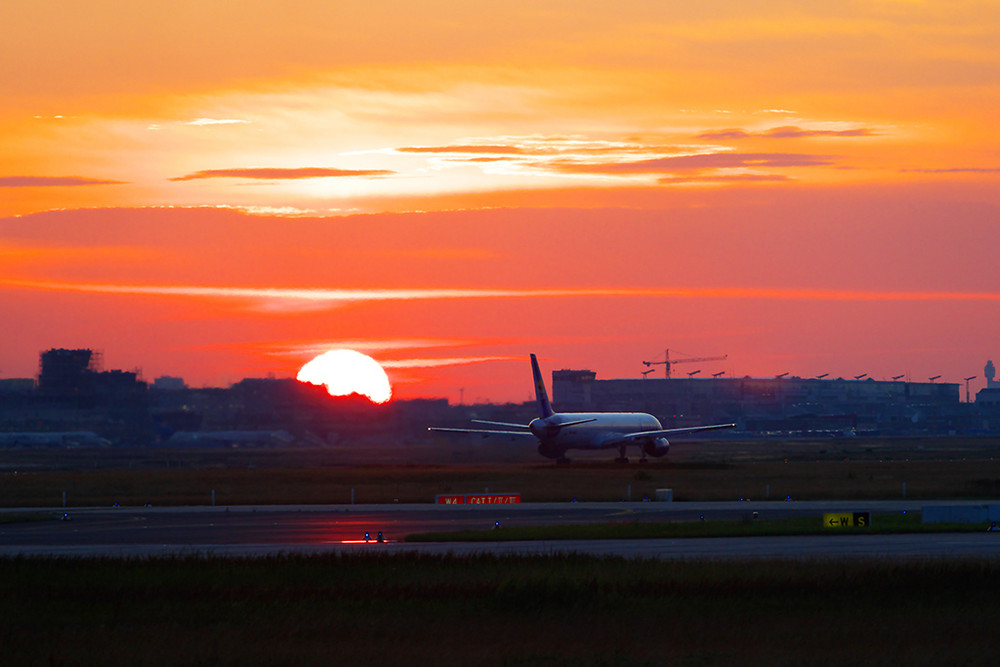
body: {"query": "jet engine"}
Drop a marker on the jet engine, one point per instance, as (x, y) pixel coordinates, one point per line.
(656, 447)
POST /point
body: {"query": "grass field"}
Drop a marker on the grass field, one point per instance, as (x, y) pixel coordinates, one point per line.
(640, 530)
(930, 468)
(536, 482)
(567, 610)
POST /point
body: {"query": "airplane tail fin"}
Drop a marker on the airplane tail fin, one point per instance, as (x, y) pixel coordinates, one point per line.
(544, 407)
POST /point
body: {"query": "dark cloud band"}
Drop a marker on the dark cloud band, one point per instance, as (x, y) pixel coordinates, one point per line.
(786, 132)
(52, 181)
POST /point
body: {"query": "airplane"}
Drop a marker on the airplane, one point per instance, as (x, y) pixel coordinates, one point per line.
(558, 432)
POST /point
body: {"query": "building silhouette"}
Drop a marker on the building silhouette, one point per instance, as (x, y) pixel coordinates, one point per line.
(790, 405)
(74, 402)
(988, 398)
(67, 373)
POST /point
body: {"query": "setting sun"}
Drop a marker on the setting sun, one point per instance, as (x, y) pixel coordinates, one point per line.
(346, 372)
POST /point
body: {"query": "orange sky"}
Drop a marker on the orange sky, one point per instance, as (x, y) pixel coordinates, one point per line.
(218, 191)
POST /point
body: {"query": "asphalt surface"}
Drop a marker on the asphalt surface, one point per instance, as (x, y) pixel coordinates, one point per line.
(268, 530)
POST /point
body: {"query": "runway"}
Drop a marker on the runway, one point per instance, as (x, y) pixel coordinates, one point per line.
(270, 530)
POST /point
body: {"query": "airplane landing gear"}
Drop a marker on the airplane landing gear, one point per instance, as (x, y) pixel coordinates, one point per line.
(621, 458)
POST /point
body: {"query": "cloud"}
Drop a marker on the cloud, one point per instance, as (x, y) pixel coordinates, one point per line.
(366, 346)
(481, 150)
(309, 294)
(784, 132)
(955, 170)
(724, 178)
(437, 363)
(325, 297)
(282, 174)
(217, 121)
(380, 347)
(542, 146)
(725, 135)
(52, 181)
(792, 132)
(697, 163)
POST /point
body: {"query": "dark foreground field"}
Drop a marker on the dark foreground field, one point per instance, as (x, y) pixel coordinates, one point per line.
(934, 468)
(413, 610)
(560, 610)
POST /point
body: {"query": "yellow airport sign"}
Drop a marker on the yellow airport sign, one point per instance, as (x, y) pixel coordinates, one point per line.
(847, 519)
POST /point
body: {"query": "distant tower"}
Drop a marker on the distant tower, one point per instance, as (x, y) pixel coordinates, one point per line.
(991, 373)
(66, 372)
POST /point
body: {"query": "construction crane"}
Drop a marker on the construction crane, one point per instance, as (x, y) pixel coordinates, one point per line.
(967, 388)
(668, 362)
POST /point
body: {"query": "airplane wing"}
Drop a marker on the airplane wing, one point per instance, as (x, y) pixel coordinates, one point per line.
(505, 424)
(481, 431)
(674, 431)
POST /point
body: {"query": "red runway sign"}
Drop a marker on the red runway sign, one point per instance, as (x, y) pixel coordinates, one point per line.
(493, 498)
(479, 499)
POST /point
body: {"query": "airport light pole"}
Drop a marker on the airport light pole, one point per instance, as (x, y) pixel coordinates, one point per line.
(967, 388)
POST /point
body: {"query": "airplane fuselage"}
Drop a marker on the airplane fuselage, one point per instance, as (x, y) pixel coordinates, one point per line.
(594, 430)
